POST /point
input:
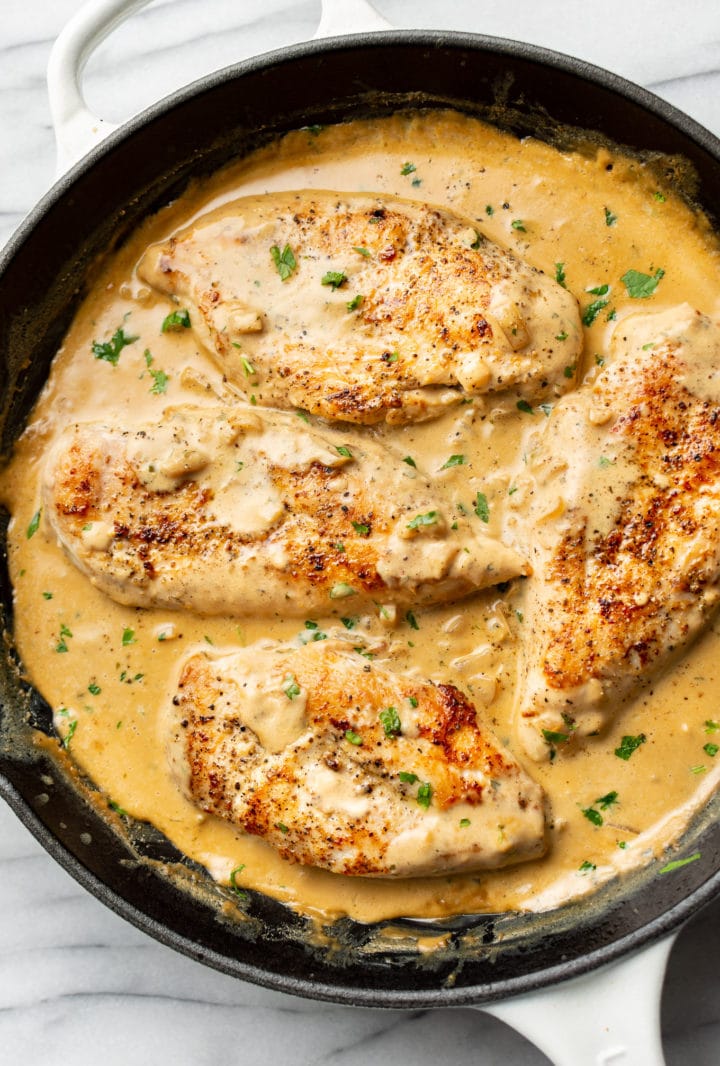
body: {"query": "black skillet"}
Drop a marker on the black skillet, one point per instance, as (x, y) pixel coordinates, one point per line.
(44, 272)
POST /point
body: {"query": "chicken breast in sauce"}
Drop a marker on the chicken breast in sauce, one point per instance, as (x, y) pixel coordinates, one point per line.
(625, 528)
(345, 764)
(227, 510)
(366, 308)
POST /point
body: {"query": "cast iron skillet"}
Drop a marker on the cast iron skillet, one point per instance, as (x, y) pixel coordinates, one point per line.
(44, 273)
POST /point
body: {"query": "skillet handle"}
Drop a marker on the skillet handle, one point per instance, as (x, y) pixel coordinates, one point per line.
(610, 1017)
(77, 128)
(339, 17)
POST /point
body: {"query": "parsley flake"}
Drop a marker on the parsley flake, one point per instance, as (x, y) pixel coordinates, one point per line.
(352, 305)
(628, 745)
(482, 509)
(428, 519)
(110, 350)
(610, 218)
(640, 286)
(407, 168)
(292, 689)
(334, 278)
(679, 863)
(390, 721)
(353, 738)
(454, 460)
(175, 321)
(411, 620)
(284, 261)
(34, 524)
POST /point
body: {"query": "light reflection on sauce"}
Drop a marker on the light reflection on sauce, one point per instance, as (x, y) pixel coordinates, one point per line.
(595, 214)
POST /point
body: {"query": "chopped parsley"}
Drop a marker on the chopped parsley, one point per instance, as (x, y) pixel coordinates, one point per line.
(413, 701)
(711, 727)
(349, 623)
(593, 310)
(561, 336)
(660, 197)
(604, 802)
(361, 529)
(334, 278)
(610, 218)
(586, 866)
(128, 637)
(464, 823)
(489, 210)
(353, 738)
(117, 808)
(410, 461)
(72, 726)
(352, 305)
(282, 827)
(411, 620)
(110, 350)
(390, 721)
(292, 690)
(639, 286)
(555, 738)
(482, 510)
(424, 794)
(361, 251)
(61, 645)
(560, 274)
(34, 524)
(569, 371)
(342, 449)
(525, 407)
(341, 590)
(454, 460)
(428, 519)
(304, 416)
(678, 863)
(407, 168)
(175, 321)
(94, 689)
(711, 749)
(408, 778)
(628, 745)
(47, 595)
(160, 382)
(518, 224)
(475, 245)
(284, 261)
(233, 882)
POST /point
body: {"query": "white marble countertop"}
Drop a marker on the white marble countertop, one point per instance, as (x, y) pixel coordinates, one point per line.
(78, 984)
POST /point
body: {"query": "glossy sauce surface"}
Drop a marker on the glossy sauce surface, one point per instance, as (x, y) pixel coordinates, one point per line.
(106, 669)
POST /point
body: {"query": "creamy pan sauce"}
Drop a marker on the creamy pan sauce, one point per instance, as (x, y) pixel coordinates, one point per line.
(586, 217)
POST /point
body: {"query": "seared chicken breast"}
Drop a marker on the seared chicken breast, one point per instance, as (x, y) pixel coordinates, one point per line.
(226, 510)
(625, 531)
(345, 764)
(366, 308)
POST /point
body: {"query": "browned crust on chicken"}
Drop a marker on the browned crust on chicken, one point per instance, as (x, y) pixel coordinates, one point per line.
(335, 526)
(442, 313)
(613, 601)
(333, 797)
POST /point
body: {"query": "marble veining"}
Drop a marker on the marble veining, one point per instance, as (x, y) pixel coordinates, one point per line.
(78, 984)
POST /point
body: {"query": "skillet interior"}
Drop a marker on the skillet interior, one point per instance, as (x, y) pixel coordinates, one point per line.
(45, 271)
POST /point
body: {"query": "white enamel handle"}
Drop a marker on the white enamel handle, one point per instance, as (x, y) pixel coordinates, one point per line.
(610, 1017)
(77, 129)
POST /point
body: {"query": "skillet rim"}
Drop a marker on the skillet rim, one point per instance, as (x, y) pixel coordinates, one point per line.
(473, 995)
